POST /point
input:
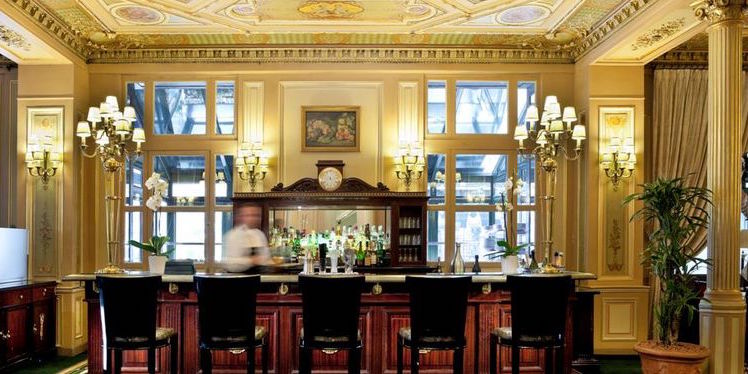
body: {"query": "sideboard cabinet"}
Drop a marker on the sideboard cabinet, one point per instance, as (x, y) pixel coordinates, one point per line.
(27, 322)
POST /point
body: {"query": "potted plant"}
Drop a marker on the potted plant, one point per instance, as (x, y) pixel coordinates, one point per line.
(155, 247)
(509, 249)
(675, 212)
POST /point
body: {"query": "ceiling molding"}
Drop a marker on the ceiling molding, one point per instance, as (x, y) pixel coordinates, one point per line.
(607, 27)
(333, 54)
(687, 59)
(52, 25)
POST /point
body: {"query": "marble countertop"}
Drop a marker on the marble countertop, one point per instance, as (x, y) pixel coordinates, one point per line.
(370, 278)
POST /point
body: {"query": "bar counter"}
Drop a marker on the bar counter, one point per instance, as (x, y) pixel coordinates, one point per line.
(384, 310)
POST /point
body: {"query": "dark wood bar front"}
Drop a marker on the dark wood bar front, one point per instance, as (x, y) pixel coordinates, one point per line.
(384, 311)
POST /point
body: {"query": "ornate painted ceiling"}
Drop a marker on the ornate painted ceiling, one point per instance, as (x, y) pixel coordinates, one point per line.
(222, 30)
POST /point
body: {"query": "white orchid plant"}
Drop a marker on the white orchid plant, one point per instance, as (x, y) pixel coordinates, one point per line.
(507, 199)
(158, 188)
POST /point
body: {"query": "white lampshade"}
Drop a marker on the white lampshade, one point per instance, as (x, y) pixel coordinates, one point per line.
(93, 114)
(607, 157)
(542, 140)
(520, 132)
(138, 135)
(556, 127)
(102, 138)
(549, 100)
(531, 115)
(129, 113)
(122, 127)
(579, 133)
(29, 157)
(113, 104)
(554, 111)
(105, 110)
(632, 159)
(570, 114)
(83, 130)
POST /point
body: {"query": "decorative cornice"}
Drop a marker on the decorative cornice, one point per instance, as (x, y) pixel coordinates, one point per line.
(53, 25)
(605, 28)
(686, 59)
(346, 54)
(719, 10)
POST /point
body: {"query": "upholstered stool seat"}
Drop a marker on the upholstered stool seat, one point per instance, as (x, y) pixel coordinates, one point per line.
(332, 338)
(504, 334)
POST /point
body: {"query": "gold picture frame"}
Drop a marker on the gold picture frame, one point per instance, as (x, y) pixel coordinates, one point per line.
(330, 128)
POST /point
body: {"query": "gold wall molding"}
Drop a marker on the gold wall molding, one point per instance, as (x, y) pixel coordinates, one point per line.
(681, 59)
(52, 25)
(608, 26)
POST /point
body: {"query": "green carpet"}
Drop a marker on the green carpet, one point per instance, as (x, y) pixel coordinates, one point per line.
(619, 364)
(55, 365)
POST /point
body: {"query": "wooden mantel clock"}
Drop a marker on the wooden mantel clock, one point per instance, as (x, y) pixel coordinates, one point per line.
(330, 174)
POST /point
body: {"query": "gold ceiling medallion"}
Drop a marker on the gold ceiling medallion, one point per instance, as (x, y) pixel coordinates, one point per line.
(658, 34)
(242, 10)
(13, 39)
(137, 14)
(523, 15)
(330, 9)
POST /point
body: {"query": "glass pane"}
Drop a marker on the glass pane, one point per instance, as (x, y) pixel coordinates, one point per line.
(136, 99)
(186, 232)
(481, 107)
(436, 164)
(179, 108)
(480, 178)
(133, 227)
(478, 233)
(223, 223)
(437, 107)
(224, 179)
(526, 172)
(526, 229)
(185, 177)
(134, 181)
(225, 108)
(435, 233)
(525, 97)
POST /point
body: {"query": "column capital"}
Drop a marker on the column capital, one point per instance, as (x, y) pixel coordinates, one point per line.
(719, 10)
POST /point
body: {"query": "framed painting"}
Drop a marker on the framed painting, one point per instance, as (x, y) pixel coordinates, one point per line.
(330, 128)
(45, 123)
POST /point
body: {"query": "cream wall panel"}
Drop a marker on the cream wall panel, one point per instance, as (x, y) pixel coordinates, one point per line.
(408, 120)
(253, 111)
(621, 318)
(364, 164)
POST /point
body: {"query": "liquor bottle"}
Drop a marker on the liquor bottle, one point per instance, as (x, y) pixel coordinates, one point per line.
(457, 265)
(476, 265)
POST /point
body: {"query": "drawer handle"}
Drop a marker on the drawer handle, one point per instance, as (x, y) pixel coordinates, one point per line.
(20, 296)
(236, 351)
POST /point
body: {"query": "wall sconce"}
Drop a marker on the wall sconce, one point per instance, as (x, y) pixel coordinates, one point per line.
(619, 161)
(409, 164)
(251, 163)
(41, 160)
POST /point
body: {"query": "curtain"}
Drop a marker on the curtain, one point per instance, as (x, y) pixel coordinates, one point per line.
(679, 133)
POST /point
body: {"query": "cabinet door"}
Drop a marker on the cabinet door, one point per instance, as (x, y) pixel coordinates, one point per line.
(17, 333)
(43, 327)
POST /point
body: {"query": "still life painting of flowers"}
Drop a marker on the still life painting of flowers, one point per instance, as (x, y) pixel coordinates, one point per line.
(330, 129)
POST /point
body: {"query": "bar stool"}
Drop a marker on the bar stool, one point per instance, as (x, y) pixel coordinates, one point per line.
(331, 306)
(539, 314)
(438, 306)
(128, 319)
(227, 318)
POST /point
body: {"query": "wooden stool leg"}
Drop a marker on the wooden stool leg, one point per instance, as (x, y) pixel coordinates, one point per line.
(265, 357)
(250, 360)
(174, 352)
(117, 361)
(305, 361)
(152, 360)
(354, 361)
(561, 360)
(515, 359)
(399, 356)
(206, 361)
(414, 352)
(548, 360)
(493, 347)
(457, 361)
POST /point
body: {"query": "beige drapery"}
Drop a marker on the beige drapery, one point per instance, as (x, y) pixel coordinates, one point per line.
(679, 133)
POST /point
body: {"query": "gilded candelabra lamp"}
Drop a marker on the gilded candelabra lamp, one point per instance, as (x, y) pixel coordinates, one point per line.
(409, 164)
(41, 159)
(555, 136)
(114, 141)
(619, 161)
(251, 164)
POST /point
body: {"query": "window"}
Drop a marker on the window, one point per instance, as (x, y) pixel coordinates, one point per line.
(436, 168)
(481, 108)
(225, 114)
(525, 97)
(180, 108)
(133, 222)
(135, 92)
(480, 178)
(435, 232)
(437, 107)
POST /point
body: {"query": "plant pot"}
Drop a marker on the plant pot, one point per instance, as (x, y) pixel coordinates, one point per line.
(509, 264)
(679, 358)
(157, 264)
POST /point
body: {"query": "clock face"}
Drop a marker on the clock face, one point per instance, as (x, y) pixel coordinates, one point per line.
(330, 179)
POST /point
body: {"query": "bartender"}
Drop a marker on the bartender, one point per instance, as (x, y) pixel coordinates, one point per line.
(245, 247)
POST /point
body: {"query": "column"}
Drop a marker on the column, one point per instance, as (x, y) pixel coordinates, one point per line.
(722, 318)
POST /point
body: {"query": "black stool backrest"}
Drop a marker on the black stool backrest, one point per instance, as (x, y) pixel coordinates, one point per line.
(539, 304)
(227, 305)
(331, 305)
(438, 306)
(128, 307)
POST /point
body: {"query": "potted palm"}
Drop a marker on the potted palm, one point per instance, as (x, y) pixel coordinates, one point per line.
(675, 212)
(509, 250)
(159, 254)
